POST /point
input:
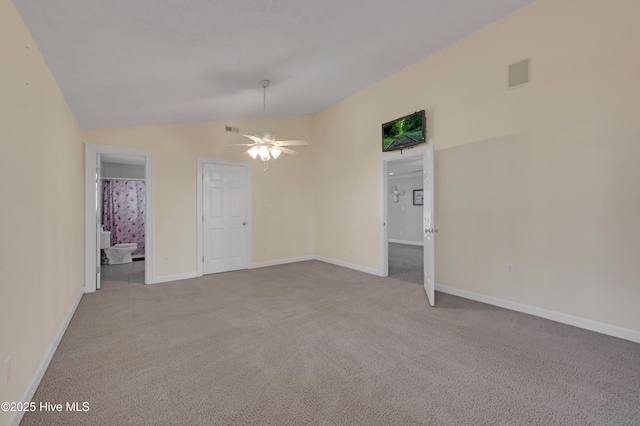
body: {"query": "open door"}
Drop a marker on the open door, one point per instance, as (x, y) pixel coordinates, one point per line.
(98, 220)
(429, 230)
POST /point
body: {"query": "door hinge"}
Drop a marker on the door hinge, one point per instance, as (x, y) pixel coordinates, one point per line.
(97, 269)
(202, 259)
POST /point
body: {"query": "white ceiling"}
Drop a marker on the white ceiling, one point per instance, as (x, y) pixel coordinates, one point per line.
(410, 166)
(122, 159)
(138, 62)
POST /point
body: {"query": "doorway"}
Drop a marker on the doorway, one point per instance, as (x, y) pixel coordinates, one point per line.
(112, 172)
(224, 213)
(399, 165)
(404, 219)
(121, 205)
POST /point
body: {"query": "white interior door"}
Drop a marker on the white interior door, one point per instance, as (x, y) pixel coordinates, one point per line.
(224, 205)
(429, 229)
(98, 221)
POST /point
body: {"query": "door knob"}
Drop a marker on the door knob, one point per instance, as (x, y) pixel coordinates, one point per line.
(244, 223)
(431, 231)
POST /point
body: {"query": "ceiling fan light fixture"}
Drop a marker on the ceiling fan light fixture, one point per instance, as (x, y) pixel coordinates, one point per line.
(253, 152)
(263, 151)
(275, 152)
(265, 145)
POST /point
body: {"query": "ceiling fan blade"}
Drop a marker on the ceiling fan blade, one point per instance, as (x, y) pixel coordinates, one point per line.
(287, 150)
(254, 138)
(293, 142)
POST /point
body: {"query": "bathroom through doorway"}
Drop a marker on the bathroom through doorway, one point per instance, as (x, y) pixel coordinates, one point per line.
(122, 205)
(118, 208)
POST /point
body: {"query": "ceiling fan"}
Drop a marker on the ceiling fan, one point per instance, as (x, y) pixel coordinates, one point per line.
(397, 193)
(266, 146)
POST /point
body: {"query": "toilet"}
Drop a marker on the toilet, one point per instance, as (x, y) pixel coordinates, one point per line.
(120, 253)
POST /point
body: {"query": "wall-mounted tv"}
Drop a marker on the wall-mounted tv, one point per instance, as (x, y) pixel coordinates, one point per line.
(404, 132)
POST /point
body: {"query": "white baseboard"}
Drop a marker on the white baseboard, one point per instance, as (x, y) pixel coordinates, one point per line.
(349, 265)
(587, 324)
(281, 261)
(16, 417)
(411, 243)
(319, 258)
(176, 277)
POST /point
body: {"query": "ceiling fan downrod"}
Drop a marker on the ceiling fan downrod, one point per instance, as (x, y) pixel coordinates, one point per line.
(264, 84)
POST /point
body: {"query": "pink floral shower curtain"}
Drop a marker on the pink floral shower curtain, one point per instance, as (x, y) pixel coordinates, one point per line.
(123, 211)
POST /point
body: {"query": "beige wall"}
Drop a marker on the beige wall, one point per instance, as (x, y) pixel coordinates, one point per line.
(41, 199)
(542, 177)
(282, 196)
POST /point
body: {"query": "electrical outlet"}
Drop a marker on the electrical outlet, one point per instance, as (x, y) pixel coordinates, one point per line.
(6, 372)
(165, 261)
(510, 268)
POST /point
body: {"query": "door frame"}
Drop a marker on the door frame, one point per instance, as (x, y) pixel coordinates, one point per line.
(383, 214)
(200, 212)
(90, 261)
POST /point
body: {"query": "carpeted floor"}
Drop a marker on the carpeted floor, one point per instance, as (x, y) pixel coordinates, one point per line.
(406, 262)
(314, 343)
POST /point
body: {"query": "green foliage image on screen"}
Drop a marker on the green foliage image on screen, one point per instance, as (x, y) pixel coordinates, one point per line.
(403, 131)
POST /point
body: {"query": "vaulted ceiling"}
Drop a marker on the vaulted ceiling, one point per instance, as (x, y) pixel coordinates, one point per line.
(124, 62)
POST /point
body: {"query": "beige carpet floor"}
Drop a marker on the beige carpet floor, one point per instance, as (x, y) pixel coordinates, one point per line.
(313, 343)
(406, 262)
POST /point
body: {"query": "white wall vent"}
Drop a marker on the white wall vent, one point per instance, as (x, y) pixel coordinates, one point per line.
(519, 73)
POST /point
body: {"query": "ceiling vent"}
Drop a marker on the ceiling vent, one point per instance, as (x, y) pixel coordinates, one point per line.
(519, 73)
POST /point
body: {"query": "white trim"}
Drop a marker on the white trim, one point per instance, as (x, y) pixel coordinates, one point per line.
(187, 275)
(175, 277)
(360, 268)
(149, 231)
(587, 324)
(199, 230)
(281, 261)
(89, 223)
(383, 187)
(383, 247)
(91, 150)
(16, 417)
(410, 243)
